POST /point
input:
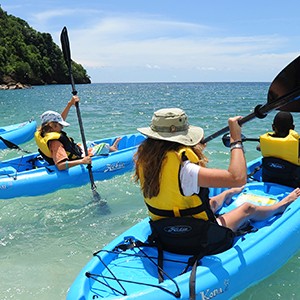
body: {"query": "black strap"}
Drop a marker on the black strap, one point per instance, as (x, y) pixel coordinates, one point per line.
(192, 280)
(160, 262)
(255, 170)
(170, 213)
(49, 160)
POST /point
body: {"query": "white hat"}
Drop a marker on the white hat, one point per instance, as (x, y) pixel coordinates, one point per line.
(53, 116)
(171, 124)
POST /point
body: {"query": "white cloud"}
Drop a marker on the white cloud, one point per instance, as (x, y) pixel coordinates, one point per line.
(47, 16)
(110, 42)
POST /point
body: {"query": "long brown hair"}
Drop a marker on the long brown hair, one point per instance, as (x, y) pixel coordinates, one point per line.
(150, 156)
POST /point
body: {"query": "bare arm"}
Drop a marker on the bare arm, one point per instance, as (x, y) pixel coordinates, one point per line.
(72, 102)
(64, 165)
(60, 156)
(236, 174)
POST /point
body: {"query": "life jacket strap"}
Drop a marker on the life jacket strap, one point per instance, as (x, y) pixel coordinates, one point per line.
(170, 213)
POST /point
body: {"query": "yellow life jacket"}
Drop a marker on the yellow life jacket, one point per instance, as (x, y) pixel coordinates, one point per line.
(73, 150)
(42, 142)
(286, 148)
(170, 202)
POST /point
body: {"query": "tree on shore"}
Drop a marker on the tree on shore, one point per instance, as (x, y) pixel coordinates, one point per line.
(31, 57)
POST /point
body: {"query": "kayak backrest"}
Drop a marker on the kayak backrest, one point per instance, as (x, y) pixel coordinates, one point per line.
(280, 171)
(11, 171)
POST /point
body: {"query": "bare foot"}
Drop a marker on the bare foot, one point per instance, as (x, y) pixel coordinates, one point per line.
(231, 192)
(216, 202)
(114, 146)
(291, 197)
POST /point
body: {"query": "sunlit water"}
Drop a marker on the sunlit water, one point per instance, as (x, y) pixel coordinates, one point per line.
(46, 240)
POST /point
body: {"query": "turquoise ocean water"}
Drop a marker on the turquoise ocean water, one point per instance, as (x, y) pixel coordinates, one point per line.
(46, 240)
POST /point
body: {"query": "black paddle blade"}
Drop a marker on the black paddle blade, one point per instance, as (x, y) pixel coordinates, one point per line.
(96, 195)
(282, 96)
(102, 203)
(287, 85)
(65, 45)
(64, 39)
(11, 145)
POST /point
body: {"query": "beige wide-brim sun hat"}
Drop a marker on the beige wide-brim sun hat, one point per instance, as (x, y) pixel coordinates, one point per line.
(171, 124)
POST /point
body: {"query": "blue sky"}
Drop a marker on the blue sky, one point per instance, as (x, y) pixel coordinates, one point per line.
(171, 40)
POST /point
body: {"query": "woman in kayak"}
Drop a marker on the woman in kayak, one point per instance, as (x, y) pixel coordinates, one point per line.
(171, 169)
(59, 149)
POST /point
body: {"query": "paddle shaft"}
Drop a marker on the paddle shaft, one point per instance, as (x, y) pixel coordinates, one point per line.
(260, 112)
(251, 139)
(67, 57)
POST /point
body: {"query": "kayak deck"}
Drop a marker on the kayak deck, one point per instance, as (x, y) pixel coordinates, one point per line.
(35, 160)
(17, 133)
(133, 273)
(31, 175)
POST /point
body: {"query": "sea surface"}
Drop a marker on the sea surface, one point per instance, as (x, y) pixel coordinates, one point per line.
(46, 240)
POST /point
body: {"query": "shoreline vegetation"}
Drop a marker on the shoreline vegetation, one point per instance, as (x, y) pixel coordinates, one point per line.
(29, 57)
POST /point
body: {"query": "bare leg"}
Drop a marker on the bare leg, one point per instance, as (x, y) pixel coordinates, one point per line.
(247, 211)
(216, 202)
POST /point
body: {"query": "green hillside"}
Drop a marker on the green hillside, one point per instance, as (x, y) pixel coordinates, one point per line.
(30, 57)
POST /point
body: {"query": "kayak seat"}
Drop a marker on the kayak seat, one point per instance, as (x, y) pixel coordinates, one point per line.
(280, 171)
(123, 143)
(9, 171)
(38, 162)
(139, 138)
(131, 141)
(41, 163)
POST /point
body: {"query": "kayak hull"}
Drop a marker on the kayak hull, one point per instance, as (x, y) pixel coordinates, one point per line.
(30, 175)
(253, 257)
(17, 133)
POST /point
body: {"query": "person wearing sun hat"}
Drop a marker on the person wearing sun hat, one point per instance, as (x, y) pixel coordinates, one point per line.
(171, 169)
(59, 149)
(172, 125)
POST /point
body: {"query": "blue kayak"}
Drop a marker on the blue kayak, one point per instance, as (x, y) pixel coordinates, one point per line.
(131, 272)
(31, 175)
(17, 133)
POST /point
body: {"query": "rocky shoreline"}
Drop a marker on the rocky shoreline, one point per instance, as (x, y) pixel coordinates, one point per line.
(14, 86)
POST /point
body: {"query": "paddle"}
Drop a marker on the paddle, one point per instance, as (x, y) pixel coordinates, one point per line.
(226, 139)
(67, 56)
(283, 94)
(11, 145)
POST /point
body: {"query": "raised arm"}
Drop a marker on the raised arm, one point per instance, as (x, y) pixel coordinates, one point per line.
(236, 174)
(72, 102)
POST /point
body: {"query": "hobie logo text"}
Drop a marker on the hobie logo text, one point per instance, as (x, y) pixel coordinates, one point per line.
(178, 229)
